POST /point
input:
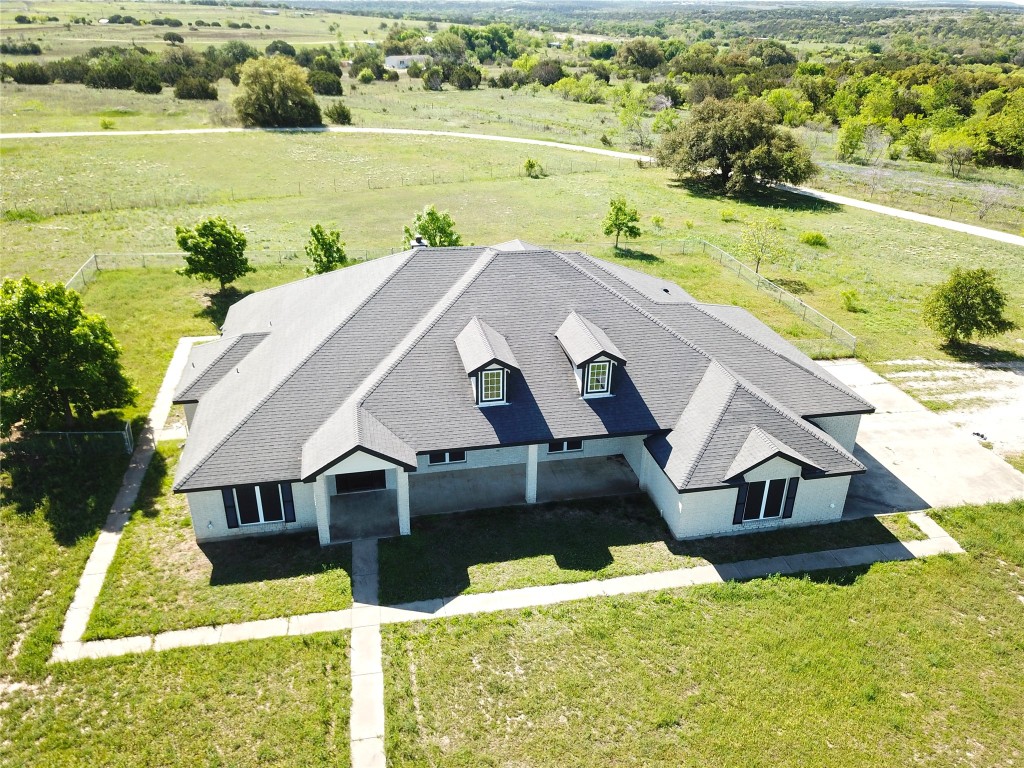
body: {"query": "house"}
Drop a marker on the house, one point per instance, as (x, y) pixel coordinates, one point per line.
(404, 61)
(442, 379)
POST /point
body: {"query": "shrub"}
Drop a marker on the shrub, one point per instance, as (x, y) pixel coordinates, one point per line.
(605, 140)
(850, 300)
(814, 238)
(338, 113)
(20, 49)
(146, 80)
(273, 93)
(366, 76)
(29, 73)
(658, 222)
(465, 77)
(325, 83)
(106, 124)
(195, 88)
(534, 169)
(728, 214)
(415, 70)
(173, 38)
(280, 46)
(22, 19)
(68, 70)
(433, 79)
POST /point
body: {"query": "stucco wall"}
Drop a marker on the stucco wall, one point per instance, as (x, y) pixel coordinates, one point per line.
(842, 428)
(210, 523)
(606, 446)
(489, 457)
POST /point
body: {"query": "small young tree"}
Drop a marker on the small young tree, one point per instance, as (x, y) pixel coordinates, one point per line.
(622, 220)
(436, 228)
(325, 250)
(56, 362)
(215, 251)
(970, 303)
(761, 242)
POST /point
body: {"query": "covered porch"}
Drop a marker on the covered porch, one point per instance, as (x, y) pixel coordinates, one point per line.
(364, 515)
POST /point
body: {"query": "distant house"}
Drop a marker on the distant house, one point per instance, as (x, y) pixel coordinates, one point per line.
(444, 379)
(403, 62)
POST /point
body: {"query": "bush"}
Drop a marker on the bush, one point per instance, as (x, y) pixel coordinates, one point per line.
(728, 214)
(338, 113)
(195, 88)
(29, 73)
(146, 80)
(465, 77)
(814, 238)
(415, 70)
(68, 70)
(273, 93)
(850, 300)
(325, 83)
(390, 76)
(508, 78)
(534, 169)
(20, 49)
(433, 79)
(173, 38)
(280, 46)
(22, 19)
(366, 76)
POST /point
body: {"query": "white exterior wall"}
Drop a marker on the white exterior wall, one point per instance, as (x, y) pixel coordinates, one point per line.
(710, 513)
(211, 524)
(487, 457)
(629, 447)
(357, 462)
(843, 429)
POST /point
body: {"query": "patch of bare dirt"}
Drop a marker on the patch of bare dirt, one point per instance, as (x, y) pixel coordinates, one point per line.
(985, 400)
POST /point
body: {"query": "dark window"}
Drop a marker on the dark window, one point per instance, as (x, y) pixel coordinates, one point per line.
(248, 508)
(270, 498)
(354, 482)
(437, 457)
(556, 447)
(562, 446)
(229, 507)
(456, 456)
(289, 502)
(755, 495)
(574, 445)
(773, 504)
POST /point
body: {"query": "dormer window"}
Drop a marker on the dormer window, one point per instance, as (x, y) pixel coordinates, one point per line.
(488, 359)
(599, 378)
(592, 353)
(492, 386)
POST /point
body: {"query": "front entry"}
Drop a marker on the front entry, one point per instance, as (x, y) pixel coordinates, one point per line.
(364, 505)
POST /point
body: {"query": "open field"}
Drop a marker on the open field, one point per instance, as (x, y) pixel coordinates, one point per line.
(899, 662)
(275, 186)
(161, 580)
(577, 541)
(282, 702)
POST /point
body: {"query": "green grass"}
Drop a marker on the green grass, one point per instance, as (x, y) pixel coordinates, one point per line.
(161, 579)
(900, 662)
(51, 512)
(577, 541)
(1016, 461)
(275, 187)
(281, 702)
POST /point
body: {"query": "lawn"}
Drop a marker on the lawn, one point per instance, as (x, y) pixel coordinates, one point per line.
(51, 511)
(577, 541)
(162, 580)
(281, 702)
(370, 186)
(901, 662)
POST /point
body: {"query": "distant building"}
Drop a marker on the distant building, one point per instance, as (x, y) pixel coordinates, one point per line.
(403, 62)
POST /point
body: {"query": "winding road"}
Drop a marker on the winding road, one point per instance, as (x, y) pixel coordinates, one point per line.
(955, 226)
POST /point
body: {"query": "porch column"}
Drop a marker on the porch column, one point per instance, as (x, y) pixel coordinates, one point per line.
(322, 503)
(531, 474)
(402, 478)
(644, 458)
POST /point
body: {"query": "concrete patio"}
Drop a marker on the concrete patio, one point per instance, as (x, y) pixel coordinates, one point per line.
(365, 515)
(585, 478)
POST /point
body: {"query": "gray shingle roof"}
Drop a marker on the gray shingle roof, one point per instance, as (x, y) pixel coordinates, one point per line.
(583, 341)
(758, 448)
(369, 354)
(480, 345)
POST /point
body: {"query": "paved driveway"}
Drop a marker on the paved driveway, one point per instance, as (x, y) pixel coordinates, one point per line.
(915, 459)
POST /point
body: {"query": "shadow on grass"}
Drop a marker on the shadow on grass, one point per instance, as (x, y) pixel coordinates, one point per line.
(979, 353)
(796, 287)
(73, 493)
(437, 560)
(272, 558)
(710, 187)
(219, 302)
(625, 252)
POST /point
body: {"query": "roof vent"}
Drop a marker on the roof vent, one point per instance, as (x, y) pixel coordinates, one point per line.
(419, 242)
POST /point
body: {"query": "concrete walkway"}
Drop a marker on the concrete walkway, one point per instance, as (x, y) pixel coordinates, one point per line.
(915, 459)
(89, 586)
(885, 210)
(366, 718)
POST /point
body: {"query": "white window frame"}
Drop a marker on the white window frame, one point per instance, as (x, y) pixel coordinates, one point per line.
(482, 387)
(764, 500)
(565, 446)
(447, 458)
(259, 505)
(607, 380)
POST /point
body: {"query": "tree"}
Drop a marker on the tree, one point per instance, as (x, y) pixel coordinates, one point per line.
(433, 79)
(955, 148)
(761, 242)
(621, 220)
(281, 47)
(173, 38)
(57, 362)
(273, 93)
(738, 141)
(325, 250)
(968, 304)
(215, 251)
(436, 228)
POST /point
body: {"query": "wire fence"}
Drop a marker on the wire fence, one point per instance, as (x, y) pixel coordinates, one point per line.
(88, 442)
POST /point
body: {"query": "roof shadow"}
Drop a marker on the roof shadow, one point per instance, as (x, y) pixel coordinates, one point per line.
(878, 491)
(626, 411)
(521, 420)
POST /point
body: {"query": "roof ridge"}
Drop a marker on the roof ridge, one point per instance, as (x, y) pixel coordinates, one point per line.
(294, 369)
(718, 420)
(234, 343)
(792, 416)
(775, 352)
(633, 305)
(587, 328)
